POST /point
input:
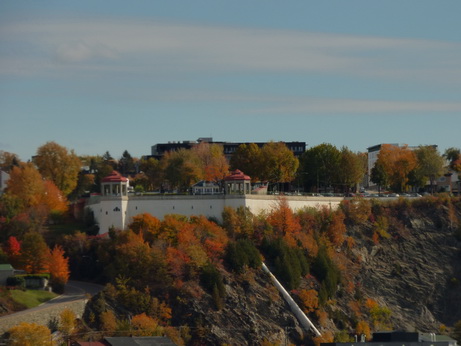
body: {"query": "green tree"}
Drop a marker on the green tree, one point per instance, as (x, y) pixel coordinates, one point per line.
(352, 170)
(379, 175)
(154, 173)
(126, 164)
(453, 155)
(182, 168)
(430, 164)
(59, 165)
(319, 166)
(248, 159)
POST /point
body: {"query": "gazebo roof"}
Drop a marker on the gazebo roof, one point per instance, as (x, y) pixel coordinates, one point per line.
(114, 177)
(237, 175)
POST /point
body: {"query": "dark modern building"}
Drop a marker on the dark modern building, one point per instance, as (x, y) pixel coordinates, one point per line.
(399, 338)
(158, 150)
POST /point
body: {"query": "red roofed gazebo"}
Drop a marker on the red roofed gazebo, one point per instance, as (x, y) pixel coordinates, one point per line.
(114, 185)
(237, 183)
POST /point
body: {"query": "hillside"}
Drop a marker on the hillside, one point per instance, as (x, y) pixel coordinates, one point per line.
(371, 266)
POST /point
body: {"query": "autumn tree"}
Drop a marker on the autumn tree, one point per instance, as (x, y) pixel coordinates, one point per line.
(310, 300)
(214, 163)
(130, 256)
(13, 251)
(362, 327)
(398, 162)
(279, 165)
(59, 165)
(58, 267)
(182, 168)
(34, 253)
(284, 221)
(26, 183)
(67, 321)
(144, 325)
(8, 161)
(145, 224)
(248, 159)
(29, 334)
(238, 222)
(337, 229)
(53, 198)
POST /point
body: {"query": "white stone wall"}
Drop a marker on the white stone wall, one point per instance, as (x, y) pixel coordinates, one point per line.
(117, 212)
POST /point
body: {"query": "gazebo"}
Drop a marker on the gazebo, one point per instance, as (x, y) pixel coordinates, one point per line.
(114, 185)
(237, 183)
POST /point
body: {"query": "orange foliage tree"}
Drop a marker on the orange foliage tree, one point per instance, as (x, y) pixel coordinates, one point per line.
(214, 163)
(144, 325)
(34, 253)
(53, 198)
(145, 224)
(58, 266)
(363, 328)
(13, 251)
(309, 299)
(337, 229)
(283, 220)
(398, 162)
(26, 183)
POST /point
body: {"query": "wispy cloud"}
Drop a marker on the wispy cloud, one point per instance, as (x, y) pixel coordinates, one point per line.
(348, 106)
(150, 46)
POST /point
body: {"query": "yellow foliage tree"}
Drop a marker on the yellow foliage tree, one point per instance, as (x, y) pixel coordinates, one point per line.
(67, 321)
(59, 165)
(108, 321)
(363, 328)
(29, 334)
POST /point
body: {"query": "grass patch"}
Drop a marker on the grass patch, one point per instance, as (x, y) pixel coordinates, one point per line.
(31, 298)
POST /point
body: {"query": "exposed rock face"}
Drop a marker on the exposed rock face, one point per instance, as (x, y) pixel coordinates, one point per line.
(252, 312)
(416, 274)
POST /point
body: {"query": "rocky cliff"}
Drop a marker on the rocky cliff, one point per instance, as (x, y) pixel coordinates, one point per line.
(400, 273)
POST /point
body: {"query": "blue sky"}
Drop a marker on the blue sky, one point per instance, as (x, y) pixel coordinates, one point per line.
(114, 75)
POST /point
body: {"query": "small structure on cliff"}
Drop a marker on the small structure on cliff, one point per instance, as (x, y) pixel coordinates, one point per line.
(237, 183)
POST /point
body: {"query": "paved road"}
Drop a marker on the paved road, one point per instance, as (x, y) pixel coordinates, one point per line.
(74, 297)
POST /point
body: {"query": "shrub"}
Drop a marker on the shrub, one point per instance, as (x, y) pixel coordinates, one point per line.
(16, 281)
(211, 280)
(290, 263)
(240, 254)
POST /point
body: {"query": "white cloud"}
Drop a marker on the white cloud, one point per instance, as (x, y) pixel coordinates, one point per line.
(150, 46)
(348, 106)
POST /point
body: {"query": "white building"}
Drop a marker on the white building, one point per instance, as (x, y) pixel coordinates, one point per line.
(4, 177)
(116, 208)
